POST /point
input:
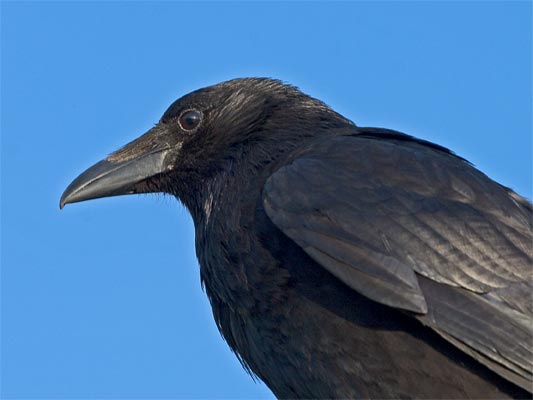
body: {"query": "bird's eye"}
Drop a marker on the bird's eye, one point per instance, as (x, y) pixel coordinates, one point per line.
(190, 119)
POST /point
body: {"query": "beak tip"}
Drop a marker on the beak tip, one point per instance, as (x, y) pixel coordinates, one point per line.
(63, 201)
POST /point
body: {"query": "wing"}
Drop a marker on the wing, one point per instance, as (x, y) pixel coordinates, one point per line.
(412, 226)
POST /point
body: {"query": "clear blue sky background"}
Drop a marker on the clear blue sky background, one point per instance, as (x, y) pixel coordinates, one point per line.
(103, 299)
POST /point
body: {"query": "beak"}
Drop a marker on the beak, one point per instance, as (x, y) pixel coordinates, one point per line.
(128, 171)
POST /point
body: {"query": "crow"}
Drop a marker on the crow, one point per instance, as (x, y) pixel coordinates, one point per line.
(340, 261)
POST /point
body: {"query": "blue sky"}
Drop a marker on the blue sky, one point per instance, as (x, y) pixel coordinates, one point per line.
(103, 298)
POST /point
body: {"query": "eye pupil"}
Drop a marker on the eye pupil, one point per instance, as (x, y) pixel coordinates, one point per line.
(190, 119)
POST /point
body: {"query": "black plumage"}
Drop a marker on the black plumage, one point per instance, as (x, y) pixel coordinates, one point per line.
(340, 261)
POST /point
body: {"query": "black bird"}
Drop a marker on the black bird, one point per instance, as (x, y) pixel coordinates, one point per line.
(340, 261)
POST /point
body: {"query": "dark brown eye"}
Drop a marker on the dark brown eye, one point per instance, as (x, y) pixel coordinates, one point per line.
(190, 119)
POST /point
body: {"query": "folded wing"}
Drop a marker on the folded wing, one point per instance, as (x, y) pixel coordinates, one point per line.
(414, 227)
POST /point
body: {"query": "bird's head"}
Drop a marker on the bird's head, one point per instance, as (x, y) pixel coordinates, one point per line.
(201, 133)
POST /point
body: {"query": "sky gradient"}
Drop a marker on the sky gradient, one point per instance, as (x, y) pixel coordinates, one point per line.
(103, 299)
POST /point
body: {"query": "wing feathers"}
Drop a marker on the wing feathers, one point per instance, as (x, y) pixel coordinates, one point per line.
(476, 323)
(385, 216)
